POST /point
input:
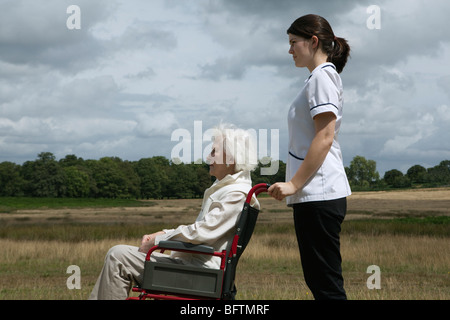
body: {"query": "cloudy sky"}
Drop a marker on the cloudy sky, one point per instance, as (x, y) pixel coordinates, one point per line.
(138, 70)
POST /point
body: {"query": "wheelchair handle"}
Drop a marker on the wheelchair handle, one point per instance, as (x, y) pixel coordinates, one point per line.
(257, 189)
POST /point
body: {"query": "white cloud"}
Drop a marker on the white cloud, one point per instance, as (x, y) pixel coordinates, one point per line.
(409, 135)
(156, 124)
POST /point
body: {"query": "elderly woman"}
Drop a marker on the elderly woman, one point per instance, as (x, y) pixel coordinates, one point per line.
(231, 159)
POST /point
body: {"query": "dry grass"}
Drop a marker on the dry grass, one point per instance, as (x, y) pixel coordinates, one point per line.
(382, 204)
(37, 269)
(413, 266)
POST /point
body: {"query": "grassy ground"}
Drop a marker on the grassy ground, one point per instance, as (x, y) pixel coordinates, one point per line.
(409, 244)
(13, 204)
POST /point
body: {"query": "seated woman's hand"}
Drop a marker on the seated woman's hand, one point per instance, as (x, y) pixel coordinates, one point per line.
(148, 241)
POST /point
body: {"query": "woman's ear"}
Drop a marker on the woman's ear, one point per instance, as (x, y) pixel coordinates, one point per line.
(314, 42)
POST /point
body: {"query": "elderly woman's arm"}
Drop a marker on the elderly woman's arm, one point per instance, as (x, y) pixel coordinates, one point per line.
(217, 222)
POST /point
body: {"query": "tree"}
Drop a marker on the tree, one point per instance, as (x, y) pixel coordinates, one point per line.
(132, 180)
(417, 174)
(440, 174)
(401, 182)
(77, 184)
(391, 175)
(181, 182)
(278, 168)
(203, 179)
(157, 177)
(11, 181)
(71, 160)
(45, 177)
(163, 167)
(152, 177)
(114, 178)
(396, 179)
(362, 172)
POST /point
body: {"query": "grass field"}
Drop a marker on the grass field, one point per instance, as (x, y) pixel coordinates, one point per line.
(405, 233)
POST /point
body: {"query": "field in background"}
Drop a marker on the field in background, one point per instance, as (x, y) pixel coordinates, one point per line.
(405, 233)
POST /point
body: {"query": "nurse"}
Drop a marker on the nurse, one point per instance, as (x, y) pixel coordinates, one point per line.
(316, 184)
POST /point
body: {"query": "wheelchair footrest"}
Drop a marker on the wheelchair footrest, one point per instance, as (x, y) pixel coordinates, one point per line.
(182, 279)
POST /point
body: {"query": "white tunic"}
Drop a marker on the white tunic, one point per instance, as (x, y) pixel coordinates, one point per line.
(322, 93)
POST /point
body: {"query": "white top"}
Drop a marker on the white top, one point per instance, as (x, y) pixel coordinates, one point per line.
(215, 225)
(322, 93)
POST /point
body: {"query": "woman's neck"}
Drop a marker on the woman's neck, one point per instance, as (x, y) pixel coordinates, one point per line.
(319, 58)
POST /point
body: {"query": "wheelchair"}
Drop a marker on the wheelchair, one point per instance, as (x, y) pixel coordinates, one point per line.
(166, 281)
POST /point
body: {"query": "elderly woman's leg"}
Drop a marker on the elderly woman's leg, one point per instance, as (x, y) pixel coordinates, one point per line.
(123, 266)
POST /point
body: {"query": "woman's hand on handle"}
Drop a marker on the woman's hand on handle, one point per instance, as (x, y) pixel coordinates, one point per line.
(281, 190)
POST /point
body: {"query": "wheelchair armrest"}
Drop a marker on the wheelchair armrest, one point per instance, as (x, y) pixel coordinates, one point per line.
(178, 245)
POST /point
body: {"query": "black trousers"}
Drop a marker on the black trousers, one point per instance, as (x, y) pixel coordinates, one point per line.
(317, 226)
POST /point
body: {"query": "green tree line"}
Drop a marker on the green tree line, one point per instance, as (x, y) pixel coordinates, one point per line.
(363, 175)
(158, 177)
(109, 177)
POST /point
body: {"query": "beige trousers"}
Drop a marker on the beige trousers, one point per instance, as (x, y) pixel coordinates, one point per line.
(123, 266)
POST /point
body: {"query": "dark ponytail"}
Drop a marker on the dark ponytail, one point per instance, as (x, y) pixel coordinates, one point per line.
(337, 49)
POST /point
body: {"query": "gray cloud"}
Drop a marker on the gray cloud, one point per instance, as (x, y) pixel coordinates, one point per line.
(34, 33)
(138, 70)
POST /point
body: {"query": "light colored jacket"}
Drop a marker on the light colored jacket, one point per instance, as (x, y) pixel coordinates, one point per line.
(216, 222)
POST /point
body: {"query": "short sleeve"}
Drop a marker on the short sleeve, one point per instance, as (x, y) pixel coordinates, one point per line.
(323, 94)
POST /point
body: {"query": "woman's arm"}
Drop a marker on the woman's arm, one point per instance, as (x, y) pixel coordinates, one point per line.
(324, 124)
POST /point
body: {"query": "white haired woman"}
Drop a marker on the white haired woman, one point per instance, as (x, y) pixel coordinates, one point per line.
(231, 159)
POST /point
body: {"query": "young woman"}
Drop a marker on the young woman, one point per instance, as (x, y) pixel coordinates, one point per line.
(316, 184)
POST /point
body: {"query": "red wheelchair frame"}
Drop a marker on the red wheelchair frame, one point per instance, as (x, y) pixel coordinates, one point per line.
(201, 283)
